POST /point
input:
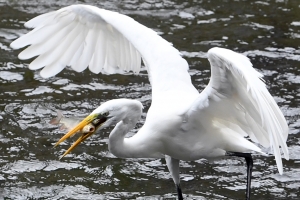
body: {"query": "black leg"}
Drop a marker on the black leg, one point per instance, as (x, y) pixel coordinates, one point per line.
(249, 162)
(179, 192)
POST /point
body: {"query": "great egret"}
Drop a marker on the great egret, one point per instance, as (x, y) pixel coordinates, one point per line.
(181, 124)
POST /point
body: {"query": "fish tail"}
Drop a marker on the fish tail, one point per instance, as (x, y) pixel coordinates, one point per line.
(56, 120)
(63, 127)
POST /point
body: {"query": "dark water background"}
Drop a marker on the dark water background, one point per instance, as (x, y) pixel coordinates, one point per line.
(268, 32)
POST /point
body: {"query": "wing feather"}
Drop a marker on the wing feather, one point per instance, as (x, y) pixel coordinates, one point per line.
(74, 41)
(53, 47)
(114, 42)
(40, 20)
(99, 56)
(237, 94)
(88, 46)
(42, 33)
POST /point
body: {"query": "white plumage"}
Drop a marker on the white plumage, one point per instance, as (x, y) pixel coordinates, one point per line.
(181, 123)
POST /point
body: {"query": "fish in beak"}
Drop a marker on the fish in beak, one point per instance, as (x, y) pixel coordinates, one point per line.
(65, 123)
(86, 127)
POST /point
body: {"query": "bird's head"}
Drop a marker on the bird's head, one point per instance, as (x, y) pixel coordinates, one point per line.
(109, 113)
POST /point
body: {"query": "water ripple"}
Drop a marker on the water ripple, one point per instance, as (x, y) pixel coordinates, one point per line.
(29, 166)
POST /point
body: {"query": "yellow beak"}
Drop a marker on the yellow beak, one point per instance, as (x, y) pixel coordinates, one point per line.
(79, 127)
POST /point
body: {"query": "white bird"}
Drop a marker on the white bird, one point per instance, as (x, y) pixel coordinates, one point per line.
(181, 124)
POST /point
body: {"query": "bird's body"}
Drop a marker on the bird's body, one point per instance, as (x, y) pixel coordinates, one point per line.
(181, 124)
(182, 137)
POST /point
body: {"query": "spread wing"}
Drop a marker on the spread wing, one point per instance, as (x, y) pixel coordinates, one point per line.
(237, 99)
(84, 36)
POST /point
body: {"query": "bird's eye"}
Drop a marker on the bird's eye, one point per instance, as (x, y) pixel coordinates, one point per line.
(105, 114)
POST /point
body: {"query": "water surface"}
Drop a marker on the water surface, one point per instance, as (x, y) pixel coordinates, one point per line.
(268, 32)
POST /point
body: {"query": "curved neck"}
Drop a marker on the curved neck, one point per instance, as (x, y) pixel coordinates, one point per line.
(137, 146)
(116, 143)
